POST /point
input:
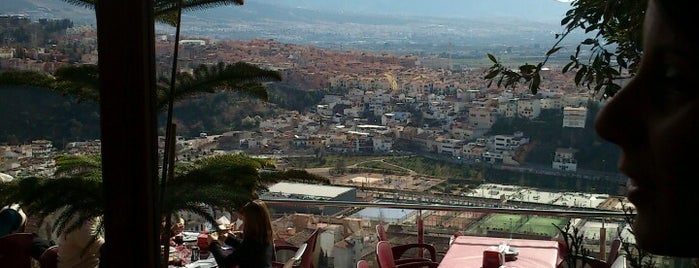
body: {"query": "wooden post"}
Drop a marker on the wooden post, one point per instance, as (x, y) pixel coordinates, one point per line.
(420, 232)
(126, 47)
(603, 243)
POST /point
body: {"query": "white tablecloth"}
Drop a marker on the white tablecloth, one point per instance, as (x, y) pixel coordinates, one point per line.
(467, 252)
(207, 263)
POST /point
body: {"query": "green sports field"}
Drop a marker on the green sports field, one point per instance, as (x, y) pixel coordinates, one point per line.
(519, 224)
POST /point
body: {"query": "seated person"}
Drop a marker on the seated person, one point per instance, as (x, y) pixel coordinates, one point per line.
(176, 229)
(256, 248)
(79, 248)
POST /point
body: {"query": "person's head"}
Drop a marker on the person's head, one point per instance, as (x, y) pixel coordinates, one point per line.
(655, 121)
(257, 223)
(12, 220)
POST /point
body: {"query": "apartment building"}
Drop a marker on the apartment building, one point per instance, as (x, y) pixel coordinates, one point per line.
(481, 117)
(574, 117)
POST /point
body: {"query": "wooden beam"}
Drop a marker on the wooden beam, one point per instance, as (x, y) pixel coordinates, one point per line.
(125, 32)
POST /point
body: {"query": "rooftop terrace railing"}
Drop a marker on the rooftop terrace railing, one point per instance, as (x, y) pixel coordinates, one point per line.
(587, 214)
(597, 244)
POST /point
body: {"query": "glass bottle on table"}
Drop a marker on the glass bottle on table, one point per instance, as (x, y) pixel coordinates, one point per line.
(179, 239)
(195, 254)
(203, 243)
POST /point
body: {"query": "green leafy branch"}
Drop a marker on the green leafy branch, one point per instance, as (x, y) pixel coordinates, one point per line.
(635, 256)
(615, 48)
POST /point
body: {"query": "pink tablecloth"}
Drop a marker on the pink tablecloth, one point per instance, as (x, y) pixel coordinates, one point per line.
(467, 251)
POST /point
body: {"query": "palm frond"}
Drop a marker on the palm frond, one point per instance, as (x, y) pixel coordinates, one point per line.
(67, 197)
(166, 10)
(220, 181)
(73, 218)
(239, 77)
(200, 210)
(82, 3)
(80, 82)
(75, 194)
(78, 165)
(293, 175)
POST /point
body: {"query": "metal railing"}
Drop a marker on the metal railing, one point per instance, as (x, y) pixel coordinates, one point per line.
(587, 214)
(353, 206)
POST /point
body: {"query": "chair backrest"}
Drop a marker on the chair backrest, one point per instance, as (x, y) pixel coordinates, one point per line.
(297, 257)
(614, 250)
(15, 250)
(310, 256)
(384, 254)
(620, 262)
(50, 258)
(381, 232)
(363, 264)
(454, 236)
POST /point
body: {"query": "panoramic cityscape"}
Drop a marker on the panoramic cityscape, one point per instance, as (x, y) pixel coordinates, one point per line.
(356, 123)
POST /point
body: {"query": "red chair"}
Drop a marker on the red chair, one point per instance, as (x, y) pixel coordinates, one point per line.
(613, 255)
(384, 255)
(293, 260)
(614, 251)
(309, 258)
(363, 264)
(15, 250)
(50, 258)
(381, 233)
(399, 250)
(454, 236)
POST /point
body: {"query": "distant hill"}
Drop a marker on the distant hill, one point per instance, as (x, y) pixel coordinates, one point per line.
(50, 9)
(375, 25)
(537, 10)
(534, 10)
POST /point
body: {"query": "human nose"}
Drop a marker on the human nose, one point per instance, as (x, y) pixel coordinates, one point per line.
(620, 121)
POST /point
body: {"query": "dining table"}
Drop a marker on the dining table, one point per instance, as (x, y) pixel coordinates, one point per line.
(467, 251)
(206, 260)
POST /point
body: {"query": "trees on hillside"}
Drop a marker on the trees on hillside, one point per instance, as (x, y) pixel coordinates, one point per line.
(80, 82)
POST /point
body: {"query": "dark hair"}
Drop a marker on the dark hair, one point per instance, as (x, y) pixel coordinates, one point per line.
(12, 220)
(680, 15)
(257, 223)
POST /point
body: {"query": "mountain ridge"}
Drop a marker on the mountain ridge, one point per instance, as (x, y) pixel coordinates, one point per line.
(534, 10)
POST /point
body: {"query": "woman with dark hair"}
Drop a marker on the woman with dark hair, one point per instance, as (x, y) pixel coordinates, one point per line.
(655, 121)
(12, 220)
(255, 249)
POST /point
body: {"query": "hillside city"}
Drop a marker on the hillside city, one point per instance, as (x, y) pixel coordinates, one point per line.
(378, 106)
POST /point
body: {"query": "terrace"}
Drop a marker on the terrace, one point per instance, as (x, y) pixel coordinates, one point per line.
(126, 50)
(436, 223)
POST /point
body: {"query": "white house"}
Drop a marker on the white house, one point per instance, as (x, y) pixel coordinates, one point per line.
(574, 117)
(529, 107)
(564, 159)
